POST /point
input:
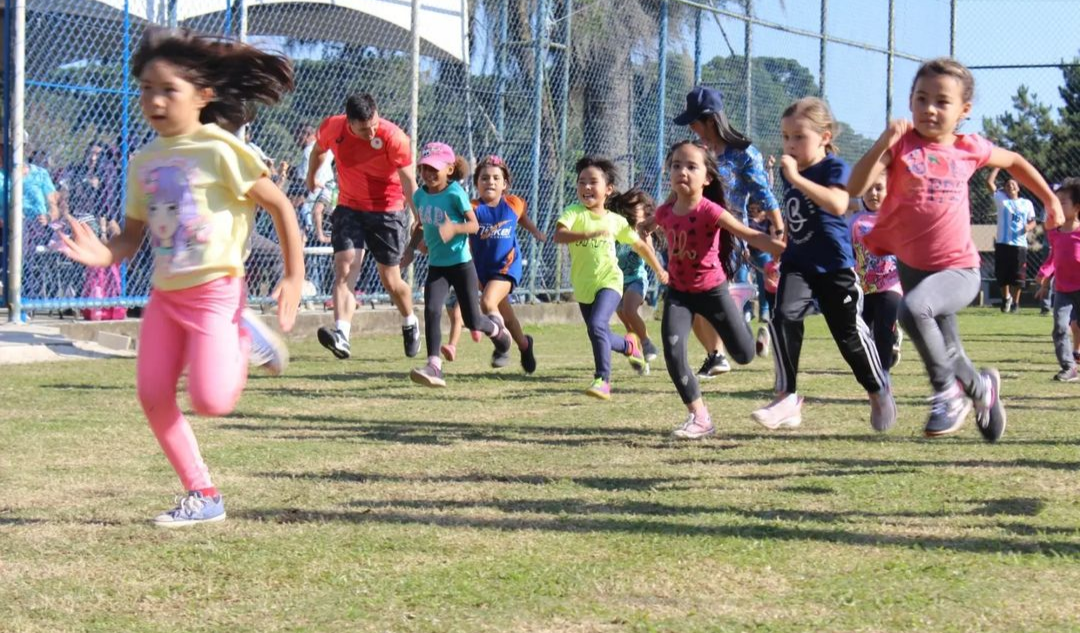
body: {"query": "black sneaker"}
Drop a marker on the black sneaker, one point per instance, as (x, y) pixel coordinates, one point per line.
(990, 412)
(411, 335)
(714, 365)
(528, 358)
(500, 360)
(948, 410)
(333, 340)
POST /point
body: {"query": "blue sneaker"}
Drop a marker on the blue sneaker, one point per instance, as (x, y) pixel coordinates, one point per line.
(192, 508)
(267, 349)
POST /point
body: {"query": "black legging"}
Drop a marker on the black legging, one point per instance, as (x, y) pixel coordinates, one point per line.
(719, 309)
(462, 278)
(879, 312)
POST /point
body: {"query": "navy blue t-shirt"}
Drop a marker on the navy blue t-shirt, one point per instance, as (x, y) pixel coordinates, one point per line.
(818, 241)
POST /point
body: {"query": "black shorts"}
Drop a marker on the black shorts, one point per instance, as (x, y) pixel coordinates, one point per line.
(384, 235)
(1010, 264)
(500, 277)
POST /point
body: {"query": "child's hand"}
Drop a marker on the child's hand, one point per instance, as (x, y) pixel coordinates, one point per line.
(789, 167)
(540, 237)
(85, 247)
(896, 129)
(600, 233)
(1040, 293)
(446, 229)
(287, 294)
(407, 257)
(662, 277)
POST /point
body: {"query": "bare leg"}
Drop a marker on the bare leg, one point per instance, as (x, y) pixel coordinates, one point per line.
(398, 288)
(628, 314)
(708, 337)
(347, 265)
(455, 325)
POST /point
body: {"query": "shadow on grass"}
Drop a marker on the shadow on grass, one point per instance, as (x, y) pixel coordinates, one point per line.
(877, 466)
(387, 512)
(594, 483)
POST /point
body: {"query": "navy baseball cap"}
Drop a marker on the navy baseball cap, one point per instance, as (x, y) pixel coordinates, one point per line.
(699, 102)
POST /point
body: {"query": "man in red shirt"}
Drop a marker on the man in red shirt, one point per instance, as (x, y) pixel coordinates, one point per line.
(376, 184)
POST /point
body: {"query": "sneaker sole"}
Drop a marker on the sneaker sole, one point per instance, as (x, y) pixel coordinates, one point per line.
(719, 371)
(421, 378)
(1073, 379)
(178, 524)
(281, 363)
(597, 395)
(960, 420)
(995, 377)
(528, 358)
(498, 361)
(683, 435)
(447, 354)
(326, 339)
(786, 423)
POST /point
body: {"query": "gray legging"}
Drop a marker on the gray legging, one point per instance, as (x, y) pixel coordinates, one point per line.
(928, 315)
(1066, 309)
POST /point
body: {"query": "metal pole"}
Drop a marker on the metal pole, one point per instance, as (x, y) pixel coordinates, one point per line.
(173, 19)
(952, 28)
(125, 117)
(242, 21)
(15, 191)
(748, 47)
(564, 106)
(661, 123)
(414, 69)
(500, 76)
(465, 60)
(823, 42)
(5, 133)
(889, 61)
(697, 48)
(540, 47)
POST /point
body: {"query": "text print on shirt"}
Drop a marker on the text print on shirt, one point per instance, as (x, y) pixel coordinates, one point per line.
(943, 183)
(677, 239)
(431, 214)
(499, 230)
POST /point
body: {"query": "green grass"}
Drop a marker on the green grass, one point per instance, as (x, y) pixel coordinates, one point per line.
(360, 502)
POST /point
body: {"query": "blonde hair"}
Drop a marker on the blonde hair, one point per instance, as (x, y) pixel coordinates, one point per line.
(817, 114)
(950, 68)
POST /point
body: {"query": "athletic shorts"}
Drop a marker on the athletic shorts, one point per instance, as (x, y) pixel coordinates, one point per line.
(384, 235)
(499, 277)
(638, 285)
(1010, 264)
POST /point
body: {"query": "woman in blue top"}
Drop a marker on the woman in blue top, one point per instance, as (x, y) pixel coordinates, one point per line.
(742, 172)
(497, 254)
(446, 219)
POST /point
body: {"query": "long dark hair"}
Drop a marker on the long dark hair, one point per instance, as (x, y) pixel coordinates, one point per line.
(239, 74)
(730, 248)
(727, 132)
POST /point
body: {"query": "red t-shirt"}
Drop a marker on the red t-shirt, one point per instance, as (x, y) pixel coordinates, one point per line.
(693, 246)
(367, 173)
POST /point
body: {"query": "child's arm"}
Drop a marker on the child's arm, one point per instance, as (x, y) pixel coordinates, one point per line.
(646, 251)
(449, 229)
(870, 166)
(85, 247)
(991, 180)
(564, 235)
(1026, 174)
(410, 248)
(832, 200)
(757, 239)
(528, 225)
(267, 195)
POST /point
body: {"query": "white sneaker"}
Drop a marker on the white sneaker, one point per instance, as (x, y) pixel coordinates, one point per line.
(783, 412)
(267, 349)
(763, 342)
(694, 428)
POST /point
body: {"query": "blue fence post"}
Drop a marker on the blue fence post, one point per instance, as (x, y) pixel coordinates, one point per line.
(697, 47)
(7, 150)
(500, 77)
(661, 124)
(125, 122)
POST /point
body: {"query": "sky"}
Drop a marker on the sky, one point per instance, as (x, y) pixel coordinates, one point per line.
(989, 32)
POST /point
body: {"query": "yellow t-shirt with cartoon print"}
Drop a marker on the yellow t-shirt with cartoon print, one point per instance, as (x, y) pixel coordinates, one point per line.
(191, 191)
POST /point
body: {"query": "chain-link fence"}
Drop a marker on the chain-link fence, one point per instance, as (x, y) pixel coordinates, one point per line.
(539, 82)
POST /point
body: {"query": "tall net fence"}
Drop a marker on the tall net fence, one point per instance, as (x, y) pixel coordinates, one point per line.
(538, 82)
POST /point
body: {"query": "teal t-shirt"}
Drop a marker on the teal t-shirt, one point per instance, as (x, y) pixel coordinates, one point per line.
(452, 202)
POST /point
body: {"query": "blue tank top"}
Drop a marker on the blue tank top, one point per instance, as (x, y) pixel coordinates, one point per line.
(495, 247)
(631, 264)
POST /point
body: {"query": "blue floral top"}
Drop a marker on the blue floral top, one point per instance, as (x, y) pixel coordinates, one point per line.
(743, 173)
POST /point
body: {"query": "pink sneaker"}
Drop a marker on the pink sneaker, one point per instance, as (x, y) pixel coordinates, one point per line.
(429, 375)
(449, 352)
(695, 427)
(783, 412)
(634, 354)
(599, 389)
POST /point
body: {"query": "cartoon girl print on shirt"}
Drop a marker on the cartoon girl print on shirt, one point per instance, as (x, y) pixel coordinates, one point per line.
(178, 232)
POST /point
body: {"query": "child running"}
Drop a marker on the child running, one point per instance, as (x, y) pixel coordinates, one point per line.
(818, 263)
(1063, 265)
(697, 284)
(195, 187)
(591, 232)
(635, 205)
(446, 219)
(497, 254)
(879, 278)
(926, 222)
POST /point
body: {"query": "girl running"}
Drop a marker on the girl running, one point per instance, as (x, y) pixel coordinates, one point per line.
(818, 264)
(635, 205)
(879, 278)
(1063, 266)
(195, 187)
(697, 284)
(446, 219)
(926, 223)
(591, 233)
(497, 254)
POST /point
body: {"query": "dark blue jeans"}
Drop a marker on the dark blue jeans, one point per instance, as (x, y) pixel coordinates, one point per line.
(597, 317)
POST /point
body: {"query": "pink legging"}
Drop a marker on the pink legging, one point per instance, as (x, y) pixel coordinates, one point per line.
(198, 328)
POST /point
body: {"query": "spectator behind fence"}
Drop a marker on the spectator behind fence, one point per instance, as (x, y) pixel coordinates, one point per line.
(40, 208)
(1015, 217)
(92, 189)
(311, 207)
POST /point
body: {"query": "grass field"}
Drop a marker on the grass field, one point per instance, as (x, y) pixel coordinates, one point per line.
(358, 501)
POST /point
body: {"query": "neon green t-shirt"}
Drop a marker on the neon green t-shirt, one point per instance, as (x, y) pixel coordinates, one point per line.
(593, 262)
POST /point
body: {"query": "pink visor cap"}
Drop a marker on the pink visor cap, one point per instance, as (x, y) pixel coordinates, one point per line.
(437, 155)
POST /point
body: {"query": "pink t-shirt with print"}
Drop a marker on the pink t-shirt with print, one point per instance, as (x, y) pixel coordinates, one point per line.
(693, 246)
(926, 218)
(877, 273)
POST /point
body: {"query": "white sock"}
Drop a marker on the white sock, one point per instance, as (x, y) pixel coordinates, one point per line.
(409, 320)
(344, 327)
